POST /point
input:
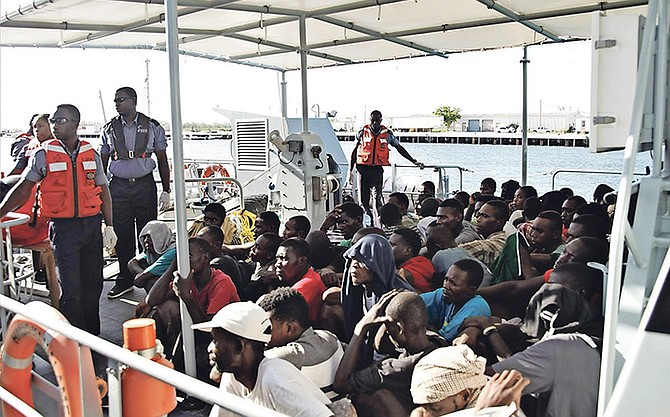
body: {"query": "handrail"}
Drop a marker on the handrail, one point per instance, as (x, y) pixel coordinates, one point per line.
(437, 168)
(221, 179)
(613, 290)
(554, 174)
(18, 404)
(6, 258)
(15, 219)
(185, 383)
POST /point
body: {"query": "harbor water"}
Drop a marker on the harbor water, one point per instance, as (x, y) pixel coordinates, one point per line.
(501, 162)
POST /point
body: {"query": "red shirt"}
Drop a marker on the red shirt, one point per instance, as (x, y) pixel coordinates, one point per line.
(422, 270)
(311, 288)
(217, 293)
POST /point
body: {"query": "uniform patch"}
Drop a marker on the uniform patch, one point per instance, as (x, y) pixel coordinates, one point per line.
(90, 175)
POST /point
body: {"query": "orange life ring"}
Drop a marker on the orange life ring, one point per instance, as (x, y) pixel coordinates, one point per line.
(215, 170)
(66, 359)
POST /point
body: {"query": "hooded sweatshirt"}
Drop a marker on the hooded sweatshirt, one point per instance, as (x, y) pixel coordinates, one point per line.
(375, 252)
(161, 236)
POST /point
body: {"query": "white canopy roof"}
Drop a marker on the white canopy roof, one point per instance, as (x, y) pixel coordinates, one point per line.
(266, 32)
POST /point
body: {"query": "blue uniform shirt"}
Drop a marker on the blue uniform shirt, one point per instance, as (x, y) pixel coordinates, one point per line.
(136, 167)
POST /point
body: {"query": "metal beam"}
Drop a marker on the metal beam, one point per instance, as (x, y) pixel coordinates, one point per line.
(289, 48)
(234, 29)
(380, 35)
(145, 22)
(266, 9)
(517, 18)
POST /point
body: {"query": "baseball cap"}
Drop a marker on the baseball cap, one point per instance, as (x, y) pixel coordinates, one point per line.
(244, 319)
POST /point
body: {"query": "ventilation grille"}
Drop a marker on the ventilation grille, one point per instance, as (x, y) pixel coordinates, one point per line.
(252, 144)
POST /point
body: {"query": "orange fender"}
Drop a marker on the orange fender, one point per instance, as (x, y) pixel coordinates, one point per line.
(69, 361)
(143, 395)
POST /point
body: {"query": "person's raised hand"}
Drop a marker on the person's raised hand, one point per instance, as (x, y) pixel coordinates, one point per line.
(502, 389)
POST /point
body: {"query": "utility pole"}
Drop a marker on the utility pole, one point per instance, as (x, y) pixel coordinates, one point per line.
(146, 81)
(102, 104)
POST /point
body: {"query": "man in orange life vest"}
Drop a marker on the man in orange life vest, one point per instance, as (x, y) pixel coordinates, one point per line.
(128, 141)
(74, 194)
(370, 156)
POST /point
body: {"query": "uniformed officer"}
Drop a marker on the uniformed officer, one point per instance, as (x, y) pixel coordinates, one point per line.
(74, 194)
(369, 157)
(128, 142)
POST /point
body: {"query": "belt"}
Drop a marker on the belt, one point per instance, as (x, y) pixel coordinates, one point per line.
(132, 180)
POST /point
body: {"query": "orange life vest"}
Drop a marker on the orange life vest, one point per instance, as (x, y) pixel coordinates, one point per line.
(373, 150)
(68, 190)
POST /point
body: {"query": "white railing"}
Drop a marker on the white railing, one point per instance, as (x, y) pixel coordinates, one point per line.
(120, 357)
(440, 169)
(7, 272)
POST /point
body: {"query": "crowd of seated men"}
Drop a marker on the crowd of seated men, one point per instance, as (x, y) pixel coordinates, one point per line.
(411, 316)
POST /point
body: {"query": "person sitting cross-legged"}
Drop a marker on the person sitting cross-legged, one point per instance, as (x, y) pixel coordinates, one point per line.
(383, 388)
(221, 261)
(204, 291)
(449, 306)
(491, 218)
(317, 353)
(159, 252)
(448, 379)
(409, 220)
(369, 273)
(297, 226)
(261, 275)
(450, 214)
(293, 269)
(239, 334)
(415, 269)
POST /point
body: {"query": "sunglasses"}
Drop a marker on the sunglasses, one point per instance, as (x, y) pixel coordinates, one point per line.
(60, 120)
(121, 99)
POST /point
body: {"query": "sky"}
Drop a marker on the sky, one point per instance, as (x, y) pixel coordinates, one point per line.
(35, 80)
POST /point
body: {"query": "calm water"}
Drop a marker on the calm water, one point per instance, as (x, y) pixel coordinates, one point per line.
(498, 161)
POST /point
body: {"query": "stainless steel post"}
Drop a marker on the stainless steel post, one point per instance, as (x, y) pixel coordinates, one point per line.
(524, 119)
(178, 172)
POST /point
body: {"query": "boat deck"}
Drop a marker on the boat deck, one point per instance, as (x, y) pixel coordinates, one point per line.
(112, 315)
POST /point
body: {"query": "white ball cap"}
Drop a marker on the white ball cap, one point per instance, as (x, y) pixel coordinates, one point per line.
(244, 319)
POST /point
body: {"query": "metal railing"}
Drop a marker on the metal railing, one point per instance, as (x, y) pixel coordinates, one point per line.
(120, 358)
(7, 273)
(440, 169)
(554, 174)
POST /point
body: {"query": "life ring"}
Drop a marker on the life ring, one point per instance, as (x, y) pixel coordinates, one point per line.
(215, 170)
(69, 362)
(216, 193)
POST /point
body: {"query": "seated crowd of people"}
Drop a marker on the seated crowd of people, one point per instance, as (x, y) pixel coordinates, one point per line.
(411, 316)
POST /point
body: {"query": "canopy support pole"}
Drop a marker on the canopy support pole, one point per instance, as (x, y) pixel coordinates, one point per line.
(524, 119)
(284, 103)
(183, 265)
(303, 73)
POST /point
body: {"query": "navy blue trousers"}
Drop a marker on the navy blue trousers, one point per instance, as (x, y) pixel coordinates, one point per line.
(134, 204)
(77, 248)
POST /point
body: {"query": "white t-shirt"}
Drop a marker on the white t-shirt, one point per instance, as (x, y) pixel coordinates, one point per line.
(280, 386)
